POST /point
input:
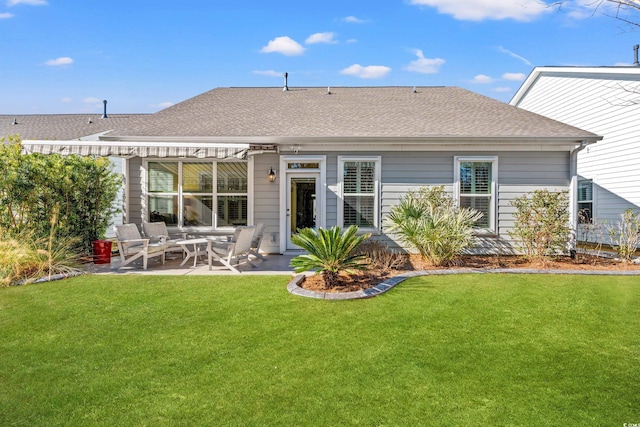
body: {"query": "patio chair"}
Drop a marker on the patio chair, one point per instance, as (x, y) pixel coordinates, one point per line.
(257, 241)
(132, 246)
(157, 232)
(229, 254)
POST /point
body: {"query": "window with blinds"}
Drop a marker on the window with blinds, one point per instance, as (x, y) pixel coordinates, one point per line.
(359, 192)
(585, 201)
(475, 189)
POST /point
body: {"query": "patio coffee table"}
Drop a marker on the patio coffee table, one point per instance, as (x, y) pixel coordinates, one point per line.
(192, 248)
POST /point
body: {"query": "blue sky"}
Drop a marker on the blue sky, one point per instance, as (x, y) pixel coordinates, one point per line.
(66, 56)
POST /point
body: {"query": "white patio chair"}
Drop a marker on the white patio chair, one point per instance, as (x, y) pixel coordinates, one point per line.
(132, 246)
(230, 254)
(157, 232)
(257, 241)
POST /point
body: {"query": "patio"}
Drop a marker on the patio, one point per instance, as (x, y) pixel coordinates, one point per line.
(274, 264)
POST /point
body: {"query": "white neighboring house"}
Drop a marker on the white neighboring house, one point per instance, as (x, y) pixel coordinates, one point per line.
(605, 101)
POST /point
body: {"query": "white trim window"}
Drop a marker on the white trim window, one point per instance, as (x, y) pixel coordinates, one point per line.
(193, 194)
(359, 184)
(475, 187)
(585, 201)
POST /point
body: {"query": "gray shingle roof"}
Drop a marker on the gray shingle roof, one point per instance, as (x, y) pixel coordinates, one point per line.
(61, 127)
(430, 112)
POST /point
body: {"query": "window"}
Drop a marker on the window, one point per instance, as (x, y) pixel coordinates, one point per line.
(475, 187)
(359, 178)
(585, 201)
(182, 193)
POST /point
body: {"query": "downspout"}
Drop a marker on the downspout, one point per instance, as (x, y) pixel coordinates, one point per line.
(126, 190)
(573, 194)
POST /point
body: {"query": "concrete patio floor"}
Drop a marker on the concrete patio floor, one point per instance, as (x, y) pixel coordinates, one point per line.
(275, 264)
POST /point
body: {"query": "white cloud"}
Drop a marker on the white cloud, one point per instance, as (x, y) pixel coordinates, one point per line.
(28, 2)
(502, 89)
(369, 72)
(354, 20)
(284, 45)
(92, 100)
(63, 60)
(352, 41)
(6, 15)
(321, 38)
(479, 10)
(163, 105)
(425, 65)
(268, 73)
(66, 99)
(517, 77)
(514, 55)
(482, 79)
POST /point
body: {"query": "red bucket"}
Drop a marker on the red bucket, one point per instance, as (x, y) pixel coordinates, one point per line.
(101, 251)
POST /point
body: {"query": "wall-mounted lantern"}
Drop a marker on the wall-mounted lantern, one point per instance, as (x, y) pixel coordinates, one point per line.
(272, 175)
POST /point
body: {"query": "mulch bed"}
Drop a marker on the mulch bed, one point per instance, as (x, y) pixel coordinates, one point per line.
(372, 277)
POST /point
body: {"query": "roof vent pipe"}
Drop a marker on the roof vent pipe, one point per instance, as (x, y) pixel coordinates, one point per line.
(104, 115)
(635, 56)
(286, 83)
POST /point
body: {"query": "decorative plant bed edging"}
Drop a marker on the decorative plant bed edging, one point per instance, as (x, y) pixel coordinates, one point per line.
(52, 278)
(294, 285)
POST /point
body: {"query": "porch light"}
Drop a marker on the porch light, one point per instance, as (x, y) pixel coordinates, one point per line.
(272, 175)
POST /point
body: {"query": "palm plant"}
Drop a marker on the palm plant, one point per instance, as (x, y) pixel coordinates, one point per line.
(429, 221)
(330, 252)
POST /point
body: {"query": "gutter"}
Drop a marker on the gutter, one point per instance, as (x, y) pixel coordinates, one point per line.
(573, 190)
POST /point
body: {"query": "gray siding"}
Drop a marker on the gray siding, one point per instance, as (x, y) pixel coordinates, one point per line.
(119, 202)
(136, 183)
(266, 203)
(518, 173)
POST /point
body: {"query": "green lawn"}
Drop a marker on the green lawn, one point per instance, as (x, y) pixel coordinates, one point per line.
(465, 350)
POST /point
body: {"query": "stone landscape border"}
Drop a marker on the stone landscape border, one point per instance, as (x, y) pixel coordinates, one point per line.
(294, 285)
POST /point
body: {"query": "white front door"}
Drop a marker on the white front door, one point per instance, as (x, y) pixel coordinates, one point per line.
(303, 207)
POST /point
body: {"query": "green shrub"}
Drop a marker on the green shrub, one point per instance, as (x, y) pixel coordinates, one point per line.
(625, 235)
(429, 221)
(330, 252)
(31, 185)
(542, 226)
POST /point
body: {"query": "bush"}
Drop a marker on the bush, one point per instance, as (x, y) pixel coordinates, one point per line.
(381, 257)
(589, 236)
(31, 186)
(542, 226)
(625, 235)
(430, 222)
(330, 252)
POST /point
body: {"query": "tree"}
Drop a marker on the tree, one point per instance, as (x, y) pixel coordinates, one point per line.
(627, 11)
